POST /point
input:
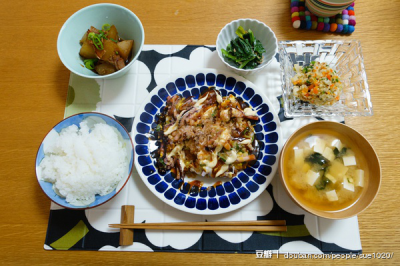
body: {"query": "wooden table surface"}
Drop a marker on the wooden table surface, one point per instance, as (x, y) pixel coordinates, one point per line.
(34, 86)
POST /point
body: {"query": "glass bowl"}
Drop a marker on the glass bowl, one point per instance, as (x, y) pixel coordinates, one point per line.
(343, 56)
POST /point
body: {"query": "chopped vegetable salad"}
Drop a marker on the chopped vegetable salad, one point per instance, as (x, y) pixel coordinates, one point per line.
(317, 83)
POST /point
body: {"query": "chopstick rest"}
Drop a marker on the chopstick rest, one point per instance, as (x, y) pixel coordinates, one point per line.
(127, 216)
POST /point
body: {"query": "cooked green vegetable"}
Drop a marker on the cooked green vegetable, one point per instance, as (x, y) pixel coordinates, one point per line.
(323, 182)
(246, 131)
(238, 148)
(222, 156)
(90, 63)
(161, 160)
(158, 128)
(341, 153)
(317, 158)
(245, 51)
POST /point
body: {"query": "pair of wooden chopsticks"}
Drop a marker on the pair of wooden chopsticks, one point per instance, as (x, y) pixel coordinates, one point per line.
(265, 226)
(127, 225)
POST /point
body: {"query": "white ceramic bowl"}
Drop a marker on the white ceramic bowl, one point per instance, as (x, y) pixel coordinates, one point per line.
(261, 32)
(127, 23)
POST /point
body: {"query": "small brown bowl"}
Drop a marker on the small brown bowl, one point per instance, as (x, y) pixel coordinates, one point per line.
(373, 167)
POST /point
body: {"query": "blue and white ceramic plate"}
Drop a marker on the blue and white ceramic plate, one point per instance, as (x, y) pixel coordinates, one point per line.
(94, 118)
(233, 193)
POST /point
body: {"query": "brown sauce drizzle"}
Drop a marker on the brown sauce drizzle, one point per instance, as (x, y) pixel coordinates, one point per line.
(196, 183)
(242, 103)
(159, 154)
(219, 183)
(195, 187)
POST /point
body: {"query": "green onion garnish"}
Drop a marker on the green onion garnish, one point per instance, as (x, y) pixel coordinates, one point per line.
(102, 35)
(89, 63)
(106, 27)
(96, 40)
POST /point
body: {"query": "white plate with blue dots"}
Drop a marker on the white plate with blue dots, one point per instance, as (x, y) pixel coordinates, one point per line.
(228, 194)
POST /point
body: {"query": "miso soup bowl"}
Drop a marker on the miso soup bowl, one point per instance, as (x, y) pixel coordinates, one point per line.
(371, 187)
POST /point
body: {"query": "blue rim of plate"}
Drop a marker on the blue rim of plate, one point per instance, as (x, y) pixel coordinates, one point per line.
(233, 193)
(75, 119)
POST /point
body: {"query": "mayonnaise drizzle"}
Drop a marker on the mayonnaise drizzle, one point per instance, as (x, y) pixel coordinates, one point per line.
(222, 170)
(246, 141)
(232, 156)
(219, 98)
(199, 102)
(174, 126)
(209, 165)
(249, 112)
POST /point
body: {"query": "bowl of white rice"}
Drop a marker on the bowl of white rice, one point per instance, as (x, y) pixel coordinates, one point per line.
(84, 161)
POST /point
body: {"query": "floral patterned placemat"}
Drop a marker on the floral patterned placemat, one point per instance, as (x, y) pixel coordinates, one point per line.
(121, 98)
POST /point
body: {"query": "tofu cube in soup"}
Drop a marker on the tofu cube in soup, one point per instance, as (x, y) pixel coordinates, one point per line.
(312, 177)
(319, 145)
(331, 195)
(328, 154)
(299, 156)
(347, 184)
(337, 144)
(359, 178)
(349, 160)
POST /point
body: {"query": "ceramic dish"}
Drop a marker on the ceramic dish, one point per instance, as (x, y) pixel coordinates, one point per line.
(326, 8)
(262, 32)
(372, 168)
(47, 187)
(233, 193)
(127, 23)
(345, 57)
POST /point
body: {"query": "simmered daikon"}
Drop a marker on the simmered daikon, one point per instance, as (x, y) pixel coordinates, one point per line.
(104, 51)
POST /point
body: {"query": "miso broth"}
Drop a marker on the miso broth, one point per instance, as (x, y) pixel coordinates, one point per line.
(325, 170)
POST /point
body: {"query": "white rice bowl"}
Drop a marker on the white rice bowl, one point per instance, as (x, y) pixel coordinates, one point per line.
(85, 161)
